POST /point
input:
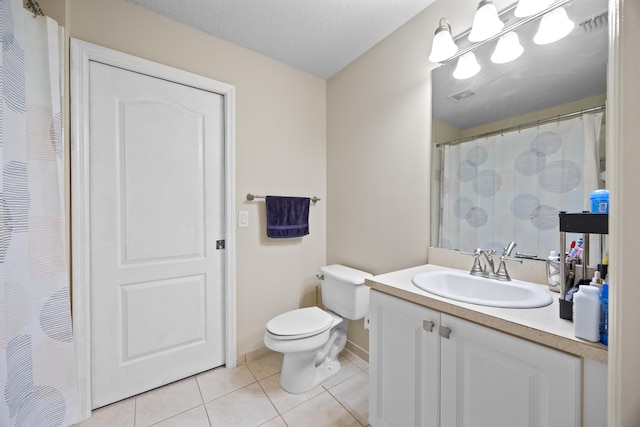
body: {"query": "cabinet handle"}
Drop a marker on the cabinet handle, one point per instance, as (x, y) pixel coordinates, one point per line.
(445, 332)
(428, 325)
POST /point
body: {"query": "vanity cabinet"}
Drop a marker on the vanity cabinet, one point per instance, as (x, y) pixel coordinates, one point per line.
(432, 369)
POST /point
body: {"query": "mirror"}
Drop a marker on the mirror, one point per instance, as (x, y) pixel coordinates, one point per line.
(546, 81)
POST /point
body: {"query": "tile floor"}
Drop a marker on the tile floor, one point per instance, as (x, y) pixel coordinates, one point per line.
(247, 396)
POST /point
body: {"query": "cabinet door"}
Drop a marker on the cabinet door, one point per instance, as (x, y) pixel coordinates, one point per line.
(404, 363)
(492, 379)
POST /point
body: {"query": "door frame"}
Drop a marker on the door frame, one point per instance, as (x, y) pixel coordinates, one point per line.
(82, 54)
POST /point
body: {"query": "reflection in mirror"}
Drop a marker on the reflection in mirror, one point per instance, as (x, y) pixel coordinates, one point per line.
(520, 141)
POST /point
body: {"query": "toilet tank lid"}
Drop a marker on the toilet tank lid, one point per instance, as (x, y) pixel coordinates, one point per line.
(345, 274)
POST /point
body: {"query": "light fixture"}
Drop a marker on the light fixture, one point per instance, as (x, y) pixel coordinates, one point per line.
(553, 26)
(486, 22)
(443, 46)
(487, 27)
(467, 66)
(507, 49)
(530, 7)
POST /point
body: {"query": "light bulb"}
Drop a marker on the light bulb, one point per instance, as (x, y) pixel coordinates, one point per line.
(443, 46)
(467, 66)
(553, 26)
(507, 49)
(486, 22)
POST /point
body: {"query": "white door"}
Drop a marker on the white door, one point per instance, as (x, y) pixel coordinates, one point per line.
(156, 161)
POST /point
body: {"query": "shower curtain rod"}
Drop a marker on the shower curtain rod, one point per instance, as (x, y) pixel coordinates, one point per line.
(523, 126)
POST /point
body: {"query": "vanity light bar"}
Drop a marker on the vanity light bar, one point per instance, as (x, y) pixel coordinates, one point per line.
(516, 23)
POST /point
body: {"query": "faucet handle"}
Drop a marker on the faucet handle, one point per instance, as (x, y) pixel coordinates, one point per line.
(502, 273)
(476, 270)
(509, 248)
(511, 259)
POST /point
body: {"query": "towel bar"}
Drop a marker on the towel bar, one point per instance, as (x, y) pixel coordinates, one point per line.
(251, 197)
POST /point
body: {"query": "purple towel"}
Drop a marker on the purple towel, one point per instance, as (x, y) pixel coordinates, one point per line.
(287, 216)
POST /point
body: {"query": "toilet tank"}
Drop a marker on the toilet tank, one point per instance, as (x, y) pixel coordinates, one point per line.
(344, 291)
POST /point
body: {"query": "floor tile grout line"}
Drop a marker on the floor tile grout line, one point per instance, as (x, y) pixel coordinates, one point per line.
(206, 411)
(195, 377)
(269, 397)
(179, 413)
(277, 416)
(259, 385)
(302, 403)
(174, 415)
(135, 410)
(323, 390)
(346, 409)
(202, 397)
(229, 392)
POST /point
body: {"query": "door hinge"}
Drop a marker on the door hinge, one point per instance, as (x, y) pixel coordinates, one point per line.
(219, 244)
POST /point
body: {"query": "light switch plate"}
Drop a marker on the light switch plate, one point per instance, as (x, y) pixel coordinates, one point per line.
(243, 219)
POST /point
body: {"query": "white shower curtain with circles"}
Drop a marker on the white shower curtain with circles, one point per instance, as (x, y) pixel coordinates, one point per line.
(510, 187)
(37, 369)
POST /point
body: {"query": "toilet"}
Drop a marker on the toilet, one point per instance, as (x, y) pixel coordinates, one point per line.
(311, 338)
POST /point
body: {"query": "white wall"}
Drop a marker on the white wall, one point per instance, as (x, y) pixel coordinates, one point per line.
(280, 146)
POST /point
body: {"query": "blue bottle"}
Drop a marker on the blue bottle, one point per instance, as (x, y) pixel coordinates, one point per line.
(604, 315)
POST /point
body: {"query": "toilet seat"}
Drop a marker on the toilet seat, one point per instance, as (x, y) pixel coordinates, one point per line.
(300, 323)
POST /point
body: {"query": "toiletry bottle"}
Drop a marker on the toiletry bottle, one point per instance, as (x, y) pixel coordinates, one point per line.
(604, 315)
(596, 281)
(586, 313)
(603, 267)
(553, 271)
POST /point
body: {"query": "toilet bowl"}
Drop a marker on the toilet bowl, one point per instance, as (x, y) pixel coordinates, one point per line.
(311, 339)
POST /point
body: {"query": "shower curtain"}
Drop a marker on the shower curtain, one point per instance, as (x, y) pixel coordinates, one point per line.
(510, 187)
(37, 370)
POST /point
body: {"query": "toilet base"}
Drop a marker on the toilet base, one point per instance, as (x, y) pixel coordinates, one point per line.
(303, 370)
(299, 377)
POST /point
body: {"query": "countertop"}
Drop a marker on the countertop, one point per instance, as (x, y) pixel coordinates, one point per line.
(541, 325)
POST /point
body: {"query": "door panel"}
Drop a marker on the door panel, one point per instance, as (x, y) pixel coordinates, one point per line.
(143, 305)
(157, 209)
(405, 361)
(491, 379)
(179, 214)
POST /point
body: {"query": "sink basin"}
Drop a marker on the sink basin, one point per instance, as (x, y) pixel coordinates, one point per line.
(461, 286)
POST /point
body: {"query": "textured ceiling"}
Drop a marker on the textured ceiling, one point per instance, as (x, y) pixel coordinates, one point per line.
(320, 37)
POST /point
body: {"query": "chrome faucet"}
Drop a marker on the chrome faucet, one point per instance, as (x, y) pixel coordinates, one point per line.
(483, 265)
(488, 270)
(484, 257)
